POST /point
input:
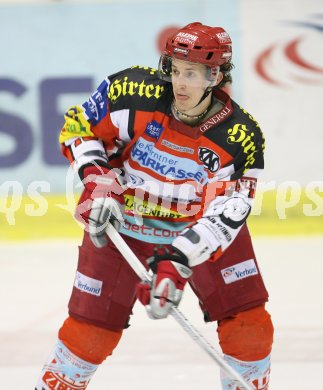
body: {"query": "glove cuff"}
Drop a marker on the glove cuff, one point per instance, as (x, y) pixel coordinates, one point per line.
(174, 271)
(102, 181)
(184, 271)
(176, 256)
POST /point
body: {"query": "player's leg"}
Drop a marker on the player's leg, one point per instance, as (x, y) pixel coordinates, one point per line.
(231, 291)
(102, 299)
(246, 340)
(80, 349)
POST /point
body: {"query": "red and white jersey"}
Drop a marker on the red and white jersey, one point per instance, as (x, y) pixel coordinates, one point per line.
(176, 174)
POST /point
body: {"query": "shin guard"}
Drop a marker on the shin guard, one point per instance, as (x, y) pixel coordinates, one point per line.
(65, 371)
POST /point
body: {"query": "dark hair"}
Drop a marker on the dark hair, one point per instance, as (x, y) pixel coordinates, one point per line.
(226, 71)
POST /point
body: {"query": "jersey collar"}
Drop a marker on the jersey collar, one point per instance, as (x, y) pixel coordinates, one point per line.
(214, 120)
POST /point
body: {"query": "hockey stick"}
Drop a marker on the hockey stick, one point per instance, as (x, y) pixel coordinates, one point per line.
(143, 274)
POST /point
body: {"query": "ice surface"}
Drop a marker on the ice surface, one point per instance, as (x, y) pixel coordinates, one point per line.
(36, 281)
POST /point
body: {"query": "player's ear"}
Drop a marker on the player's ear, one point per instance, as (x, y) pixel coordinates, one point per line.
(219, 78)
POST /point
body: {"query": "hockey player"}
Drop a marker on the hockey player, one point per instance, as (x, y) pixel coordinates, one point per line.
(168, 157)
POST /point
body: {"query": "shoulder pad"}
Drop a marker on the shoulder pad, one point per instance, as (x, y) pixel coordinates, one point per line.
(137, 87)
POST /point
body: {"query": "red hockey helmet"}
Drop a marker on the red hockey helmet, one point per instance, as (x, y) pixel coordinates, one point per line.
(199, 43)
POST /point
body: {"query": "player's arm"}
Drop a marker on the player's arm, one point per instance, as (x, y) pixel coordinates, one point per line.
(221, 222)
(87, 133)
(229, 201)
(88, 129)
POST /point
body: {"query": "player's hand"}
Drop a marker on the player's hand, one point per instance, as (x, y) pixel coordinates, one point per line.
(101, 202)
(167, 286)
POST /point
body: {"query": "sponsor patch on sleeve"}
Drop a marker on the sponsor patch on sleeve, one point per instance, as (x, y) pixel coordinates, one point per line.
(239, 271)
(96, 107)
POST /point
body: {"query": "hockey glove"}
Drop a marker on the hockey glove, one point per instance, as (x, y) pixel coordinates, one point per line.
(101, 202)
(167, 286)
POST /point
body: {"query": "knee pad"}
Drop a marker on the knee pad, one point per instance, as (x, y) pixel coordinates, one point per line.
(248, 335)
(89, 342)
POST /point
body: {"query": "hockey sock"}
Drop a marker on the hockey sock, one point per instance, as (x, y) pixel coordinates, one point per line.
(256, 373)
(65, 371)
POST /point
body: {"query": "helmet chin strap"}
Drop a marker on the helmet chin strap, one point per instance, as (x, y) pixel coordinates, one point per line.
(206, 93)
(208, 89)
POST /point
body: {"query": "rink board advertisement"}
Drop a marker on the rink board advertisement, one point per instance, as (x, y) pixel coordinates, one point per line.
(56, 57)
(56, 54)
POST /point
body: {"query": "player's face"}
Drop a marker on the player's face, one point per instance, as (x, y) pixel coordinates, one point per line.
(189, 83)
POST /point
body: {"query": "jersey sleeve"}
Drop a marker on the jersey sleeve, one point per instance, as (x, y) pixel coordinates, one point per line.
(228, 200)
(88, 131)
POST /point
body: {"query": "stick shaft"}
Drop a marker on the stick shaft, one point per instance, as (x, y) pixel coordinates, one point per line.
(142, 273)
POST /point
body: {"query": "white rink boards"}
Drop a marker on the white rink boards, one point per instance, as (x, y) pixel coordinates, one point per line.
(36, 280)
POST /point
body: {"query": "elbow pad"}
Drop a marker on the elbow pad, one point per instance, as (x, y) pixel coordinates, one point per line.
(197, 244)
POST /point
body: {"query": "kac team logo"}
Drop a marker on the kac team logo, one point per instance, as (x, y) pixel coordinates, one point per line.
(210, 159)
(297, 60)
